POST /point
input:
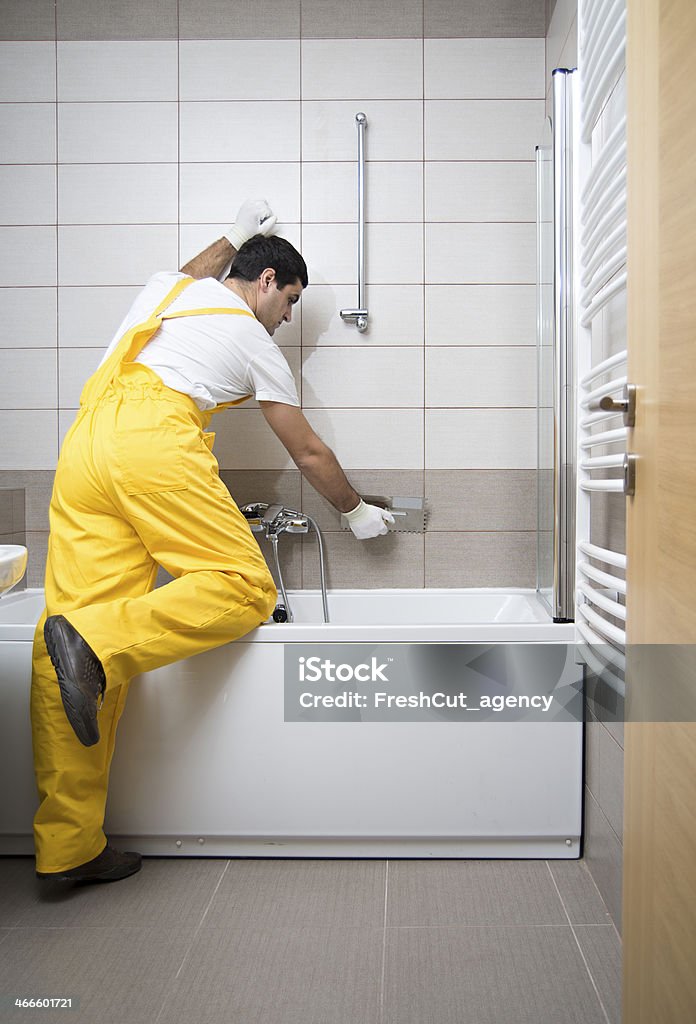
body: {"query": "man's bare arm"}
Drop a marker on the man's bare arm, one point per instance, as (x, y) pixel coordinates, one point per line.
(212, 261)
(313, 458)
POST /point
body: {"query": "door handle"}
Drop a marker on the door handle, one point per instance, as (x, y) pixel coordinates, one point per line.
(626, 404)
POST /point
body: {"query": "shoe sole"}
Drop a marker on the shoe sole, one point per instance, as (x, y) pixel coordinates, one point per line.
(74, 702)
(114, 874)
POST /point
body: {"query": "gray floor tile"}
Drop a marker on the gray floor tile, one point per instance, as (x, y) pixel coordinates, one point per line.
(472, 892)
(489, 975)
(579, 894)
(279, 976)
(114, 975)
(602, 949)
(263, 894)
(19, 889)
(164, 894)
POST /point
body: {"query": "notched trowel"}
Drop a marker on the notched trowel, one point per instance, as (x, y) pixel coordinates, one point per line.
(410, 514)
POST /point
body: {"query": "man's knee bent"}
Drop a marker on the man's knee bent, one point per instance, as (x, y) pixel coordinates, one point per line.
(261, 593)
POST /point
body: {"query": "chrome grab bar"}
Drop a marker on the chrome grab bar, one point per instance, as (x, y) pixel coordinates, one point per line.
(359, 316)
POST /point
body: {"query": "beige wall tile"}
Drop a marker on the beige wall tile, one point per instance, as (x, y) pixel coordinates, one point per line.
(478, 18)
(480, 559)
(481, 500)
(387, 482)
(244, 19)
(119, 19)
(392, 561)
(31, 19)
(326, 19)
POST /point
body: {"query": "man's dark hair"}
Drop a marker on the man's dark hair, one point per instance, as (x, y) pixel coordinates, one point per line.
(275, 252)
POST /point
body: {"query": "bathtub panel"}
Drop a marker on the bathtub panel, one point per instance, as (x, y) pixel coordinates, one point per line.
(207, 765)
(219, 717)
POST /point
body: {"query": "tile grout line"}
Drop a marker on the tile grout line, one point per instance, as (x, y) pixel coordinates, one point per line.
(195, 936)
(577, 943)
(384, 943)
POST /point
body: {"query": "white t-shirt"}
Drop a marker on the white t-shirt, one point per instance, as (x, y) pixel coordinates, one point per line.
(214, 357)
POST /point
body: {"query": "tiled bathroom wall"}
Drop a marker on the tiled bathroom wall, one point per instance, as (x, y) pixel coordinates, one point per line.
(131, 134)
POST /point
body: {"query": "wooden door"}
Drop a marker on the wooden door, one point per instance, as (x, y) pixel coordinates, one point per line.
(659, 916)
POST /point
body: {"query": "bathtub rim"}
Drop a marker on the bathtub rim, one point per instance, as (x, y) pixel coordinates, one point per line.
(543, 630)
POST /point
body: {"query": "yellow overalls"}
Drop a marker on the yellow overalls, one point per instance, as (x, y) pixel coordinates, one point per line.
(136, 486)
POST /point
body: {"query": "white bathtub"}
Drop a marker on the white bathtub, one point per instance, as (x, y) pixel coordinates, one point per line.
(207, 765)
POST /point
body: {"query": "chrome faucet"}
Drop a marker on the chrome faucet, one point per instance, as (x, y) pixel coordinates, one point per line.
(272, 520)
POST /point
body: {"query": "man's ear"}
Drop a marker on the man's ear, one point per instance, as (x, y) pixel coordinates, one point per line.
(266, 278)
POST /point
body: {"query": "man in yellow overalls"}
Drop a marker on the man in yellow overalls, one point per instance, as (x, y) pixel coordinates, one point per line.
(136, 487)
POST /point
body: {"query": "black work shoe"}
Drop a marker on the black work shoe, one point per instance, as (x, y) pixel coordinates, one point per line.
(80, 677)
(109, 866)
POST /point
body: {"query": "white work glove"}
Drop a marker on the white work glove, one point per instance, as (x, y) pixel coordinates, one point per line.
(368, 520)
(255, 217)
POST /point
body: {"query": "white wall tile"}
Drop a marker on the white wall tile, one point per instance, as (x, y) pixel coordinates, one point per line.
(27, 194)
(211, 191)
(245, 441)
(28, 133)
(330, 252)
(240, 132)
(98, 71)
(89, 317)
(395, 315)
(482, 129)
(118, 194)
(393, 192)
(372, 438)
(481, 378)
(117, 132)
(75, 366)
(480, 439)
(362, 377)
(329, 192)
(546, 428)
(480, 191)
(27, 257)
(362, 69)
(236, 69)
(481, 253)
(30, 439)
(394, 252)
(480, 314)
(394, 130)
(27, 318)
(197, 237)
(27, 378)
(27, 72)
(484, 68)
(113, 255)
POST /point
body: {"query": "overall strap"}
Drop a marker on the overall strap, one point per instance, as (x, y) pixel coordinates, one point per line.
(210, 309)
(135, 339)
